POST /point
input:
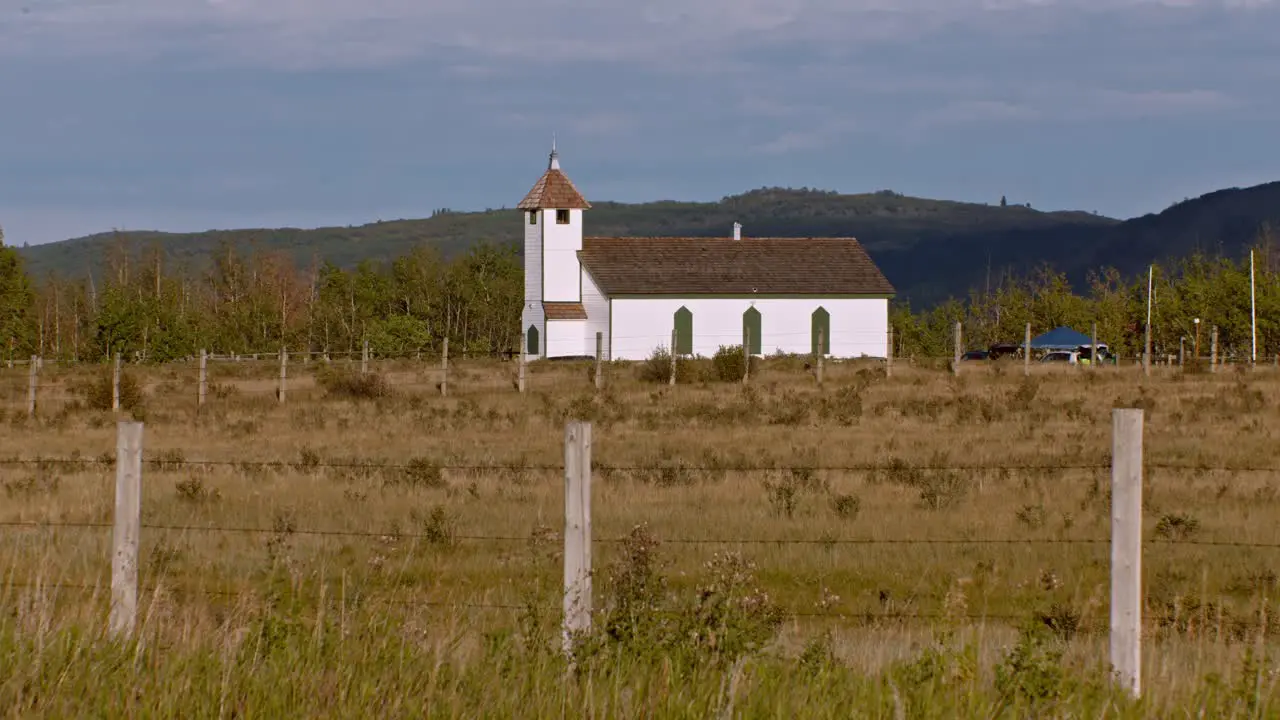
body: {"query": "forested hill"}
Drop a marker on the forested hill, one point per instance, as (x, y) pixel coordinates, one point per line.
(929, 249)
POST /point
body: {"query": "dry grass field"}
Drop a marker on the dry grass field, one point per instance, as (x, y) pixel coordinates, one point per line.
(915, 546)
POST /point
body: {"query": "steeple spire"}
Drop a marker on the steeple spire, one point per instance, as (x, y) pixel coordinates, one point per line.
(554, 190)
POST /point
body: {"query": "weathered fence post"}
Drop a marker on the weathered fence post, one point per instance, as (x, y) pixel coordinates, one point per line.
(115, 384)
(33, 380)
(577, 531)
(284, 373)
(1026, 353)
(888, 355)
(364, 358)
(673, 357)
(1126, 548)
(818, 360)
(1182, 351)
(1146, 355)
(203, 391)
(1213, 350)
(599, 361)
(128, 527)
(444, 368)
(955, 363)
(520, 382)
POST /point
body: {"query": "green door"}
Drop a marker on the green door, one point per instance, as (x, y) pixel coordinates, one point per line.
(684, 331)
(531, 344)
(821, 324)
(751, 331)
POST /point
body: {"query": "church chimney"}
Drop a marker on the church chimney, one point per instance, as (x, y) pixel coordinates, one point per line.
(737, 231)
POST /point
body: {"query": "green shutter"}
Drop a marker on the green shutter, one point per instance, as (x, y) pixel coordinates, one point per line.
(821, 323)
(684, 331)
(751, 331)
(531, 345)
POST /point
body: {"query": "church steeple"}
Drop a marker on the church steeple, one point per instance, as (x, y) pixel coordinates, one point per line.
(554, 190)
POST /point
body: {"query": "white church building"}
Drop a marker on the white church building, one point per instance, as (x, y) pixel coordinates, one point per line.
(775, 294)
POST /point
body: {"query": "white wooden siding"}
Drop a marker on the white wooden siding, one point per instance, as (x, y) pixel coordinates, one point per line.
(597, 307)
(535, 317)
(561, 274)
(532, 313)
(567, 338)
(533, 260)
(858, 326)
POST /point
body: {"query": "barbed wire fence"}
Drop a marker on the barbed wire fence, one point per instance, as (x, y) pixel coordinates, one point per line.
(272, 375)
(1126, 540)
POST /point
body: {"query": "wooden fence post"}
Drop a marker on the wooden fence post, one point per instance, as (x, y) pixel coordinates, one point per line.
(444, 368)
(577, 531)
(1026, 353)
(115, 384)
(888, 355)
(1213, 350)
(128, 526)
(520, 381)
(284, 373)
(1182, 351)
(746, 356)
(1146, 355)
(33, 379)
(673, 357)
(599, 361)
(1093, 347)
(955, 364)
(364, 358)
(1126, 548)
(203, 391)
(818, 360)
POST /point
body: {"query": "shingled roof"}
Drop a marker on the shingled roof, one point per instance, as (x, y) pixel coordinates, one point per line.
(554, 190)
(564, 311)
(724, 266)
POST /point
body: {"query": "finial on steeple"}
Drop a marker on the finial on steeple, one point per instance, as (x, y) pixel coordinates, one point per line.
(555, 156)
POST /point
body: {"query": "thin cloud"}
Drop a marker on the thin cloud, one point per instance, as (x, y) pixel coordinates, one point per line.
(297, 34)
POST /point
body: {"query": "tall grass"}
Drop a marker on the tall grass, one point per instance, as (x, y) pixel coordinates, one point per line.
(443, 597)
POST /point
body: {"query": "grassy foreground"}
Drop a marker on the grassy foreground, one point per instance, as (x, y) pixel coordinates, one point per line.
(372, 549)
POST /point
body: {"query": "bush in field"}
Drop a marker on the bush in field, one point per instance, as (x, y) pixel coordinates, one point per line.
(657, 368)
(725, 617)
(97, 392)
(351, 384)
(729, 365)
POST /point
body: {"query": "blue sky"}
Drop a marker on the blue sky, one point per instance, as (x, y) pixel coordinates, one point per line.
(196, 114)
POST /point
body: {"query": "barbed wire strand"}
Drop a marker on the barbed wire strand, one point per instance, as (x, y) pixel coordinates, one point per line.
(394, 534)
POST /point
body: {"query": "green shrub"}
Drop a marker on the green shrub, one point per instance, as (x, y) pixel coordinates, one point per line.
(97, 392)
(657, 368)
(729, 364)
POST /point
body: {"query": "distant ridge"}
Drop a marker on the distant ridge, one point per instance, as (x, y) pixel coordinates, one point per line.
(929, 249)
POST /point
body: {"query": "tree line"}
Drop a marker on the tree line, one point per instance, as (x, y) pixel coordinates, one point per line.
(255, 302)
(1213, 289)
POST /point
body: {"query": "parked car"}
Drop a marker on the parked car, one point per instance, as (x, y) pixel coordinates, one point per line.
(1085, 355)
(1061, 356)
(975, 355)
(1000, 350)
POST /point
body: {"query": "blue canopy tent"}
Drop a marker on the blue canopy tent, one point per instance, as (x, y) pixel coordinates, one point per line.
(1062, 338)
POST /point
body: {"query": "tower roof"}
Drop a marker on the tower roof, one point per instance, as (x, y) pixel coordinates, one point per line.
(554, 190)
